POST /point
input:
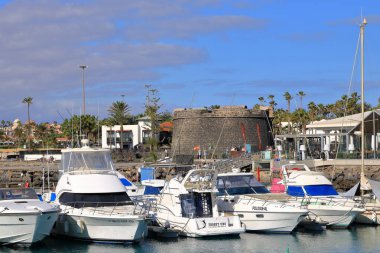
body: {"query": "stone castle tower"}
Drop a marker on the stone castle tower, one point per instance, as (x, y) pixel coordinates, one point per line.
(233, 126)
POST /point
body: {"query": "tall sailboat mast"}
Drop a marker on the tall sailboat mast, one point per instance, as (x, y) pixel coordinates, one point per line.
(362, 25)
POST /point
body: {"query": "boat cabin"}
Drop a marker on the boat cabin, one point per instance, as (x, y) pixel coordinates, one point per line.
(18, 194)
(309, 183)
(196, 205)
(86, 161)
(239, 184)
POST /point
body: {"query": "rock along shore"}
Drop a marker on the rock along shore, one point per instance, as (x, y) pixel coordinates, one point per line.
(17, 173)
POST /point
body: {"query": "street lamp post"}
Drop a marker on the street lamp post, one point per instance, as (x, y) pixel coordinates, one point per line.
(83, 91)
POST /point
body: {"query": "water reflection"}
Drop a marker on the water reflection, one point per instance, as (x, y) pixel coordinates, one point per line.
(357, 239)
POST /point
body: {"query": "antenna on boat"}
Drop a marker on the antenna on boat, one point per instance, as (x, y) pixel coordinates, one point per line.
(48, 168)
(98, 126)
(361, 14)
(72, 127)
(363, 181)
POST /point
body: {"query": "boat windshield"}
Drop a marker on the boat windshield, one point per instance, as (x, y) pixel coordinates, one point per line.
(312, 190)
(95, 199)
(239, 185)
(86, 162)
(320, 190)
(22, 193)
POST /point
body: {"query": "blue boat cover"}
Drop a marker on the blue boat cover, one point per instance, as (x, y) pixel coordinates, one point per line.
(295, 191)
(312, 190)
(320, 190)
(53, 196)
(125, 182)
(150, 190)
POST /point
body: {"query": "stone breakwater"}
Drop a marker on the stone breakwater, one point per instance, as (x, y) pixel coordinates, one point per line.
(345, 177)
(16, 174)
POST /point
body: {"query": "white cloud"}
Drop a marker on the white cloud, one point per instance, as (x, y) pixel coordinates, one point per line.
(43, 42)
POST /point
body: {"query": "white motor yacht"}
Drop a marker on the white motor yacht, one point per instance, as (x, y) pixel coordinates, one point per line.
(188, 205)
(23, 217)
(94, 203)
(238, 195)
(313, 190)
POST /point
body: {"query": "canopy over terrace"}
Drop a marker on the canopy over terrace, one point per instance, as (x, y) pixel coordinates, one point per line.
(335, 138)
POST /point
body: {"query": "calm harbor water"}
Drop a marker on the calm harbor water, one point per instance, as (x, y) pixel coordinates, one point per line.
(356, 239)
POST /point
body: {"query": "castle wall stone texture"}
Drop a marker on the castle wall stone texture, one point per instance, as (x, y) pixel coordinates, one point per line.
(203, 128)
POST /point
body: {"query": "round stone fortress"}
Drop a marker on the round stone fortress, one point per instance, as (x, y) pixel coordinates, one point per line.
(198, 130)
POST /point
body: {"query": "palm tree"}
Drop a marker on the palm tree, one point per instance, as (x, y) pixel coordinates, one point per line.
(18, 133)
(279, 116)
(262, 100)
(288, 97)
(301, 94)
(302, 118)
(110, 123)
(271, 101)
(28, 101)
(312, 111)
(119, 113)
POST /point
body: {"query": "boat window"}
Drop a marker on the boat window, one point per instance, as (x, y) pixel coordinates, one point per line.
(150, 190)
(320, 190)
(22, 193)
(196, 205)
(95, 199)
(86, 162)
(295, 191)
(239, 185)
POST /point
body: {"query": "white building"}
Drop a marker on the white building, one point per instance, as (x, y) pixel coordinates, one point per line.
(339, 137)
(132, 134)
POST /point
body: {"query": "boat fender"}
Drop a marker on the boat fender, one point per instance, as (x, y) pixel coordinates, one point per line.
(167, 224)
(374, 217)
(81, 225)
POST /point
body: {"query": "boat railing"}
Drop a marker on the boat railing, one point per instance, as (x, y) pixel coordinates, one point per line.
(103, 208)
(162, 207)
(149, 205)
(86, 171)
(266, 199)
(328, 201)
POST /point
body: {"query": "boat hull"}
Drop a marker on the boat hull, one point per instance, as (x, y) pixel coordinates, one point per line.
(203, 227)
(117, 229)
(270, 222)
(368, 217)
(262, 216)
(371, 215)
(26, 228)
(333, 216)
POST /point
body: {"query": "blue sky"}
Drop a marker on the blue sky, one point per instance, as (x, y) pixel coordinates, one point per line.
(196, 53)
